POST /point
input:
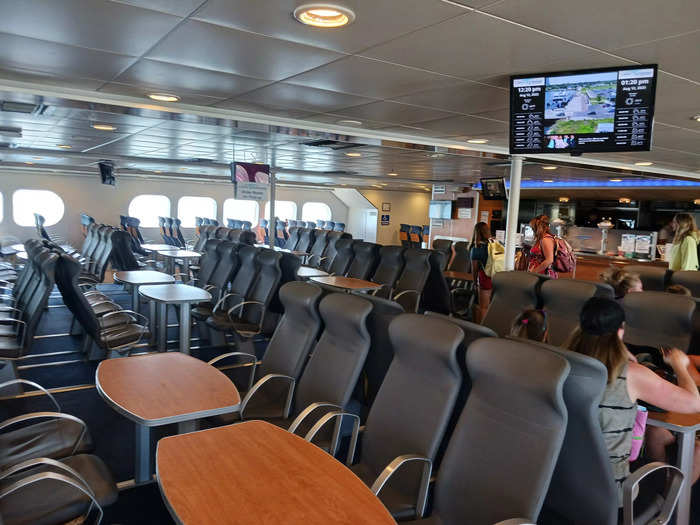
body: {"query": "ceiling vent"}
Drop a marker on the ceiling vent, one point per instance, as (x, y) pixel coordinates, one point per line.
(10, 132)
(22, 107)
(332, 144)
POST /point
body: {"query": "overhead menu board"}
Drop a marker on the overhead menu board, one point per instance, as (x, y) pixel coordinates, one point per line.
(583, 111)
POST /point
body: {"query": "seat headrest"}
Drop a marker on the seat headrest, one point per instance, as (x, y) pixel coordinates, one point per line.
(300, 295)
(658, 319)
(411, 333)
(345, 316)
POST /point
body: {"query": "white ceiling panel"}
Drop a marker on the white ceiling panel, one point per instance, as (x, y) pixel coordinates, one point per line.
(265, 109)
(174, 7)
(393, 112)
(666, 52)
(680, 139)
(207, 46)
(96, 24)
(302, 97)
(602, 24)
(677, 101)
(377, 20)
(370, 78)
(465, 98)
(48, 79)
(462, 125)
(475, 46)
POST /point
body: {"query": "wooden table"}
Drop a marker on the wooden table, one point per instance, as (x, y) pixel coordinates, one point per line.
(255, 473)
(306, 272)
(185, 255)
(685, 426)
(161, 389)
(349, 284)
(136, 278)
(165, 294)
(458, 276)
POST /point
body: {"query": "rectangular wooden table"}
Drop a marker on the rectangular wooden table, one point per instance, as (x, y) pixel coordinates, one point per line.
(348, 284)
(685, 426)
(255, 473)
(162, 389)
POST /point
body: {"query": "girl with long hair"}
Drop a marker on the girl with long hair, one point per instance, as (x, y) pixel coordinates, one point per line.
(542, 252)
(622, 281)
(600, 334)
(531, 324)
(479, 254)
(684, 254)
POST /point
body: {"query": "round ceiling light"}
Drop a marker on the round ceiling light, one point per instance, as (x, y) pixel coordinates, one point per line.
(477, 141)
(393, 174)
(163, 97)
(696, 117)
(563, 199)
(549, 167)
(63, 146)
(104, 127)
(615, 180)
(324, 15)
(354, 154)
(643, 163)
(548, 181)
(346, 122)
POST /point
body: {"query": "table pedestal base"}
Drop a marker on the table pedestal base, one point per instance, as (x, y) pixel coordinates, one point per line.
(144, 465)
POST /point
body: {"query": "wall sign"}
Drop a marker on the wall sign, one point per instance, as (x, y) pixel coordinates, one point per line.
(250, 180)
(464, 213)
(385, 220)
(439, 189)
(485, 216)
(386, 206)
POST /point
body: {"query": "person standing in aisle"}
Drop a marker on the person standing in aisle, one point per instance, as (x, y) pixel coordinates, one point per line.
(684, 254)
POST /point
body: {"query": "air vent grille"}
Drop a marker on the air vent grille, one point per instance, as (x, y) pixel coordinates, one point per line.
(332, 144)
(20, 107)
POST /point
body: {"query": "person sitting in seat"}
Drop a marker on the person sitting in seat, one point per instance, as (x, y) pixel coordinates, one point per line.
(679, 289)
(600, 333)
(531, 324)
(622, 281)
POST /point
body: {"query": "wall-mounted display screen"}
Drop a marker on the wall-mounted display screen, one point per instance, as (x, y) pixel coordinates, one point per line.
(494, 189)
(440, 210)
(595, 110)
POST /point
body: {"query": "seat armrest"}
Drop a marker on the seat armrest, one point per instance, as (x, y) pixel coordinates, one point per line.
(404, 292)
(245, 303)
(139, 316)
(395, 464)
(34, 385)
(262, 381)
(243, 356)
(34, 462)
(339, 417)
(221, 301)
(308, 411)
(630, 488)
(43, 415)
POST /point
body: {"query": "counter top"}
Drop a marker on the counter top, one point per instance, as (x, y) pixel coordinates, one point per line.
(618, 258)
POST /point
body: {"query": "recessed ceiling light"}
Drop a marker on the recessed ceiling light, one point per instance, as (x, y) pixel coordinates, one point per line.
(615, 180)
(324, 15)
(696, 202)
(163, 97)
(348, 122)
(643, 163)
(549, 167)
(37, 158)
(104, 127)
(393, 174)
(477, 141)
(158, 171)
(183, 168)
(563, 199)
(28, 162)
(63, 146)
(696, 117)
(624, 200)
(548, 180)
(354, 154)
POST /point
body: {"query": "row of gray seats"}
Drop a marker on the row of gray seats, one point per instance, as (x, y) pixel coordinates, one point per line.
(440, 403)
(211, 231)
(646, 323)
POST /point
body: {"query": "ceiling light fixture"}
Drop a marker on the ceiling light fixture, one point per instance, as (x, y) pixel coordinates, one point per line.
(393, 174)
(348, 122)
(696, 202)
(354, 154)
(163, 97)
(477, 141)
(696, 117)
(563, 199)
(548, 181)
(63, 146)
(549, 167)
(324, 15)
(625, 200)
(615, 180)
(28, 162)
(104, 127)
(37, 158)
(643, 163)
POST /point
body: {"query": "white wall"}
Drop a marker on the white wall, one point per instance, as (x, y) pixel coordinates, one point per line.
(106, 203)
(406, 207)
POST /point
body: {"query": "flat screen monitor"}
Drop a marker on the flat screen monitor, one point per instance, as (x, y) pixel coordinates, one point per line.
(494, 189)
(107, 172)
(595, 110)
(440, 210)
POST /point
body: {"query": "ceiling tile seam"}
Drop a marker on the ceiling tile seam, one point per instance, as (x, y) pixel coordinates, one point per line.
(100, 50)
(675, 150)
(676, 127)
(119, 139)
(186, 91)
(653, 41)
(182, 21)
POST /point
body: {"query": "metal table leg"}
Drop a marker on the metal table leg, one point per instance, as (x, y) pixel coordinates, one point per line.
(144, 461)
(686, 448)
(135, 298)
(185, 328)
(186, 268)
(152, 324)
(162, 326)
(188, 426)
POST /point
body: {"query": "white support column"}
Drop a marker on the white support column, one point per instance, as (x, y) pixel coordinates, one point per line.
(516, 168)
(273, 222)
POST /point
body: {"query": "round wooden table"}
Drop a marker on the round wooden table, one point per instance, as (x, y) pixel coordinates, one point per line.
(349, 284)
(136, 278)
(162, 389)
(269, 476)
(165, 294)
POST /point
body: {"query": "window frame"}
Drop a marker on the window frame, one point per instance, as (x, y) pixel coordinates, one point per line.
(268, 206)
(144, 223)
(225, 215)
(49, 218)
(196, 213)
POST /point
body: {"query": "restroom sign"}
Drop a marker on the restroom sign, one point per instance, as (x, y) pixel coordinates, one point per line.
(385, 220)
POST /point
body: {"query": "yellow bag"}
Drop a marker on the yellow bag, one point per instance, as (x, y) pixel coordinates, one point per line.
(496, 261)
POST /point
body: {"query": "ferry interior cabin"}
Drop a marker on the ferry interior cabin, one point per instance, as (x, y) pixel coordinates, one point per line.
(349, 262)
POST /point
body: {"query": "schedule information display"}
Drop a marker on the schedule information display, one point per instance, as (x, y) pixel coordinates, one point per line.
(583, 111)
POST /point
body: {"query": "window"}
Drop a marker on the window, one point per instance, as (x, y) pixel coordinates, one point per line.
(2, 211)
(284, 210)
(147, 209)
(190, 207)
(25, 203)
(241, 210)
(315, 211)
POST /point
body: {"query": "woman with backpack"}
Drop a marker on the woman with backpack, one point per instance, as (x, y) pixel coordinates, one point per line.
(684, 254)
(543, 250)
(479, 255)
